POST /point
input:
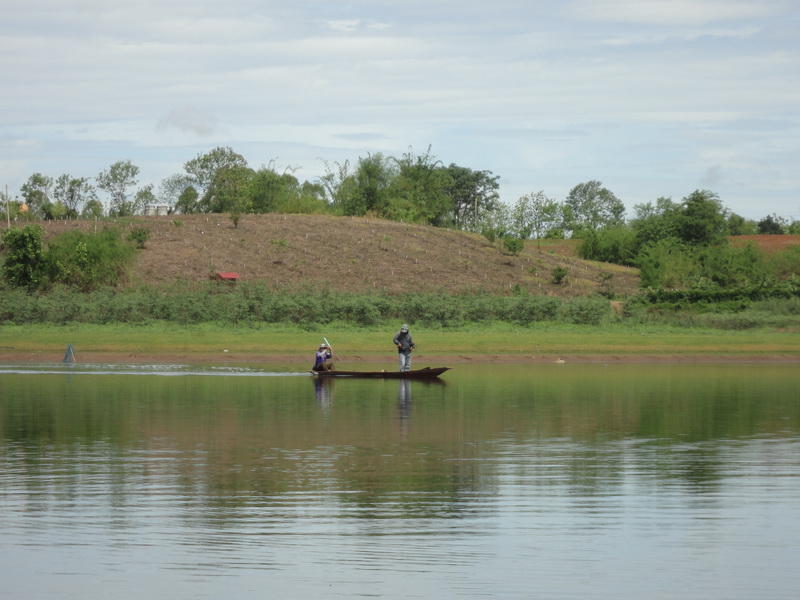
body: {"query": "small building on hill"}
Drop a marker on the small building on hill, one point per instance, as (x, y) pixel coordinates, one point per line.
(152, 210)
(229, 276)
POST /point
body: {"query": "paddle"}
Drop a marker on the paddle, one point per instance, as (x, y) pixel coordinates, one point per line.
(328, 344)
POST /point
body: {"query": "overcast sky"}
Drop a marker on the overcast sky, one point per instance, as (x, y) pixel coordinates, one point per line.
(651, 97)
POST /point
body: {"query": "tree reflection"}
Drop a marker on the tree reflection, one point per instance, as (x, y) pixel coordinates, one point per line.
(412, 448)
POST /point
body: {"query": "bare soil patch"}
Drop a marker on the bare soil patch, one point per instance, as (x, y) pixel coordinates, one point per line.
(767, 243)
(300, 252)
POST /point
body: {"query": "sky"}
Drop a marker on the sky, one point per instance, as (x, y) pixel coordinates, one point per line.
(654, 98)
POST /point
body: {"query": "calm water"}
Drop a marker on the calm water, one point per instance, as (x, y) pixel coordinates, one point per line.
(558, 481)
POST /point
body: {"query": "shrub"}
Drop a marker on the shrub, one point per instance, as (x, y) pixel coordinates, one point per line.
(18, 307)
(139, 235)
(667, 263)
(253, 303)
(26, 262)
(585, 311)
(530, 309)
(786, 263)
(559, 275)
(513, 245)
(778, 306)
(89, 261)
(612, 245)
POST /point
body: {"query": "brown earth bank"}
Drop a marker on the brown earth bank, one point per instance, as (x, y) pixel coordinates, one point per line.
(362, 255)
(768, 243)
(422, 360)
(356, 254)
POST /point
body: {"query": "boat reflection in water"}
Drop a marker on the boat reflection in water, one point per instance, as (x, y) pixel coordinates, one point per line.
(417, 374)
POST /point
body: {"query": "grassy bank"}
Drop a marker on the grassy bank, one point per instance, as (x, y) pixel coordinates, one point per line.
(207, 342)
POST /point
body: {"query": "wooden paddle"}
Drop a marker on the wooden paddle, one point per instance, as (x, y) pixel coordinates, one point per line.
(333, 358)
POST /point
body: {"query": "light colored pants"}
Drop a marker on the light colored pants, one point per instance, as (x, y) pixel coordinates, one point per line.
(404, 359)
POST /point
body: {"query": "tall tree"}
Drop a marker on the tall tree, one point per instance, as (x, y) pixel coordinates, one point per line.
(373, 176)
(311, 200)
(228, 190)
(496, 223)
(738, 225)
(535, 214)
(333, 182)
(37, 193)
(772, 225)
(702, 219)
(590, 206)
(188, 201)
(655, 222)
(92, 209)
(73, 193)
(204, 167)
(420, 190)
(365, 189)
(270, 191)
(171, 188)
(472, 193)
(143, 197)
(116, 181)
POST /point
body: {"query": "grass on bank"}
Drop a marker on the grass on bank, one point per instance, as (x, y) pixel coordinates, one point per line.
(541, 340)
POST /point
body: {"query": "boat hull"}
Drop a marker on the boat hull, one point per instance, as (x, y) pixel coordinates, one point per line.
(426, 373)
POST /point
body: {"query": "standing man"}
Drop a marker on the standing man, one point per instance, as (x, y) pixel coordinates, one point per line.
(404, 345)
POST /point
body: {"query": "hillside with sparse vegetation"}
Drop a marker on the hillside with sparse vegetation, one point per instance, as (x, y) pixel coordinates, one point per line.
(352, 254)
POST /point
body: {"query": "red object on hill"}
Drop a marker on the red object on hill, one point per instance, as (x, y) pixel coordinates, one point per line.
(226, 276)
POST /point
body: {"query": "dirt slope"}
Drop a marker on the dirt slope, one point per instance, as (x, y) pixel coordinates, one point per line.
(355, 254)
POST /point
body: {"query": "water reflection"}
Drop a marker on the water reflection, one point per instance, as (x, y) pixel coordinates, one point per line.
(404, 405)
(510, 481)
(323, 388)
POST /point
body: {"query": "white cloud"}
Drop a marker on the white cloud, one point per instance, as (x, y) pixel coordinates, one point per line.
(673, 12)
(682, 35)
(189, 119)
(343, 25)
(644, 95)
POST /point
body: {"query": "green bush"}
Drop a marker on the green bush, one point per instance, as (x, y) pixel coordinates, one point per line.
(85, 261)
(786, 263)
(530, 309)
(612, 245)
(778, 305)
(139, 235)
(585, 311)
(17, 306)
(513, 245)
(559, 275)
(26, 260)
(89, 260)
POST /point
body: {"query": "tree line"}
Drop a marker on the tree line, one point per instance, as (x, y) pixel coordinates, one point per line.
(415, 188)
(685, 245)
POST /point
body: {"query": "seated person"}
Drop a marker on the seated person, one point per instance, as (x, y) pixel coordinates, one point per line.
(322, 356)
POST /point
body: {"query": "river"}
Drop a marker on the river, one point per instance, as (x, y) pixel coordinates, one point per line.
(666, 481)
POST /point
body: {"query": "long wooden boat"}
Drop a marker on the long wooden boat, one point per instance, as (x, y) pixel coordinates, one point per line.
(426, 373)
